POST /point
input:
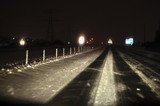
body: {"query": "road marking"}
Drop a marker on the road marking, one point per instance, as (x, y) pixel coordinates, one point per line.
(106, 93)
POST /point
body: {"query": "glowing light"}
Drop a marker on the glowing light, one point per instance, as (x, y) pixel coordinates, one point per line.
(138, 89)
(81, 40)
(69, 43)
(129, 41)
(110, 42)
(22, 42)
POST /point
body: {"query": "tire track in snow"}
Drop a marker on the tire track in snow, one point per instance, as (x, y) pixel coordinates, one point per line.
(155, 88)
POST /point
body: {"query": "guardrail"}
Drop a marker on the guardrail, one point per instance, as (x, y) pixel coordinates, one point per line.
(26, 57)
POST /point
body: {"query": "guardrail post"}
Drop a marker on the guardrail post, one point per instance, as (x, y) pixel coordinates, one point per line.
(84, 48)
(44, 54)
(70, 51)
(56, 53)
(26, 57)
(63, 52)
(74, 50)
(78, 49)
(81, 49)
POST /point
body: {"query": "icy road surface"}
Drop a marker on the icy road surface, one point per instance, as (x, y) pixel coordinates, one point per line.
(42, 83)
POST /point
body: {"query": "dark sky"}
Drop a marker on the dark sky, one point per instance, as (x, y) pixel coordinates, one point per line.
(99, 19)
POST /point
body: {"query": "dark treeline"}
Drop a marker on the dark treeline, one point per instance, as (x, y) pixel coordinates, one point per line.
(155, 45)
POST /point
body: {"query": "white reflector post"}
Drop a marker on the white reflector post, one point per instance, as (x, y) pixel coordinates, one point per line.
(74, 50)
(44, 54)
(70, 51)
(63, 52)
(81, 49)
(78, 49)
(26, 57)
(56, 53)
(84, 48)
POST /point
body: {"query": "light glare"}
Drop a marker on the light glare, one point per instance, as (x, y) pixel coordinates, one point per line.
(129, 41)
(22, 42)
(81, 40)
(110, 41)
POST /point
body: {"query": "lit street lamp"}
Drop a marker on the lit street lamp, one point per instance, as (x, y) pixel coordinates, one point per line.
(110, 42)
(81, 40)
(22, 42)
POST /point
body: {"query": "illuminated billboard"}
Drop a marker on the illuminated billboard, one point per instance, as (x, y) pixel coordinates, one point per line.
(129, 41)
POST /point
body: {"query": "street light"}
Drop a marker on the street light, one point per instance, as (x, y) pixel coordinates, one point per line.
(22, 42)
(87, 42)
(110, 42)
(81, 40)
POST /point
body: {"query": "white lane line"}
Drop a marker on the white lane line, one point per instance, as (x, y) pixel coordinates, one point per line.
(155, 88)
(106, 93)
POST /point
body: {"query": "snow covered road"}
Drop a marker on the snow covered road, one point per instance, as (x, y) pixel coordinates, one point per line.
(106, 93)
(123, 84)
(133, 87)
(103, 77)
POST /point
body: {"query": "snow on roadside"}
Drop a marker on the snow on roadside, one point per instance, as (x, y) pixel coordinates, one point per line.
(20, 68)
(135, 67)
(42, 83)
(106, 93)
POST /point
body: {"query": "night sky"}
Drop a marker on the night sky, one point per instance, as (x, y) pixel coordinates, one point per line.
(115, 18)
